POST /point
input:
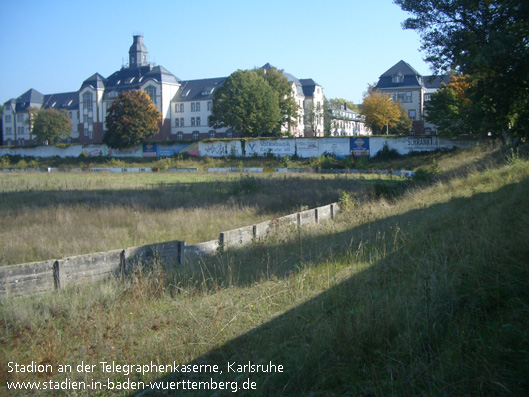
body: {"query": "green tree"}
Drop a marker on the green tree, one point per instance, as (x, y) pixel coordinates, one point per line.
(450, 108)
(288, 107)
(247, 104)
(131, 119)
(1, 125)
(486, 40)
(49, 125)
(382, 113)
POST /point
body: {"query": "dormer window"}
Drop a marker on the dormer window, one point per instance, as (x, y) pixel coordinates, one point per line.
(398, 78)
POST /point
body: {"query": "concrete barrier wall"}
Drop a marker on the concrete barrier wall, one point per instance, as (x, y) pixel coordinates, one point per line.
(27, 279)
(88, 268)
(206, 249)
(40, 277)
(302, 147)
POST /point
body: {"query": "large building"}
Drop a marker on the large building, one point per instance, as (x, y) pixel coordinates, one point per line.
(185, 105)
(405, 85)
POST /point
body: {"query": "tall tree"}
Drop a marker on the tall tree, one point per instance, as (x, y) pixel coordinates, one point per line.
(451, 109)
(131, 119)
(487, 40)
(382, 113)
(246, 103)
(285, 96)
(49, 125)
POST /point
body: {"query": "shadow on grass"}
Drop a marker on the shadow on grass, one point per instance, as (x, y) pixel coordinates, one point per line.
(442, 310)
(267, 195)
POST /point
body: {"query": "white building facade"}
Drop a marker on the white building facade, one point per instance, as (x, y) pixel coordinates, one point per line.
(185, 105)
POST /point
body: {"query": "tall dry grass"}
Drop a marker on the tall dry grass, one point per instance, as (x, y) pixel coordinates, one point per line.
(421, 294)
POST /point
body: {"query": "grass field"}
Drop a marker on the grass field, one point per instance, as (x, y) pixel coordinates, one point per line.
(423, 292)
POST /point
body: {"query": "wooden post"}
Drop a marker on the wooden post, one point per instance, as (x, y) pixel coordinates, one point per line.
(56, 275)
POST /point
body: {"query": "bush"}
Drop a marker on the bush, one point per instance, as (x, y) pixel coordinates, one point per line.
(387, 154)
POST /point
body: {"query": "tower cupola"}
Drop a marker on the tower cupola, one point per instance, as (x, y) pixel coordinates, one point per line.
(138, 53)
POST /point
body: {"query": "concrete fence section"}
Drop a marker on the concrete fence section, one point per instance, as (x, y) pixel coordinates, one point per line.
(40, 277)
(246, 147)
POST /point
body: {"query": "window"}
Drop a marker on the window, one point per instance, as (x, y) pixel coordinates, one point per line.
(398, 78)
(210, 105)
(87, 101)
(180, 135)
(20, 130)
(393, 96)
(151, 91)
(182, 122)
(400, 96)
(212, 134)
(195, 135)
(181, 108)
(427, 97)
(9, 131)
(412, 114)
(198, 121)
(193, 121)
(20, 118)
(408, 96)
(8, 118)
(229, 134)
(195, 106)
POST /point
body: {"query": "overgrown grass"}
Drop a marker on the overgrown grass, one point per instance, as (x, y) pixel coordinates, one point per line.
(46, 216)
(425, 294)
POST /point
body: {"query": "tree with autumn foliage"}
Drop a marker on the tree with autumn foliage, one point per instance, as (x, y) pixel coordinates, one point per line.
(131, 119)
(488, 41)
(383, 114)
(451, 110)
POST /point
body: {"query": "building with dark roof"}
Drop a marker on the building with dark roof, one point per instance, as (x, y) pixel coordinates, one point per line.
(185, 105)
(407, 86)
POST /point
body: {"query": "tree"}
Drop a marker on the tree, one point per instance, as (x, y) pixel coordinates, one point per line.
(246, 103)
(49, 125)
(450, 108)
(288, 107)
(486, 40)
(382, 113)
(131, 119)
(312, 117)
(1, 125)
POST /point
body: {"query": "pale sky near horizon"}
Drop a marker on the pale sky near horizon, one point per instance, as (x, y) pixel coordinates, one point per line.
(344, 45)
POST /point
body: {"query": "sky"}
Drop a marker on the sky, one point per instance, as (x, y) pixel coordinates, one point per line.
(344, 45)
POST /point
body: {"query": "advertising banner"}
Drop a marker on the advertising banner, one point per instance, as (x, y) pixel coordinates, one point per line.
(338, 147)
(359, 147)
(275, 147)
(307, 147)
(149, 149)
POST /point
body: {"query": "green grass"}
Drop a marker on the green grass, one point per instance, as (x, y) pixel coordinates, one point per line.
(421, 294)
(45, 216)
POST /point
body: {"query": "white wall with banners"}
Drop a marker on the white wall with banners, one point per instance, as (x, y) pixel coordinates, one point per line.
(302, 147)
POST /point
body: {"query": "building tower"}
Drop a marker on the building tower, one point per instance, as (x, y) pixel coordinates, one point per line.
(137, 53)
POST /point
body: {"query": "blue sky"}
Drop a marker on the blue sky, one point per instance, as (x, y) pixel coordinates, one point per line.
(344, 45)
